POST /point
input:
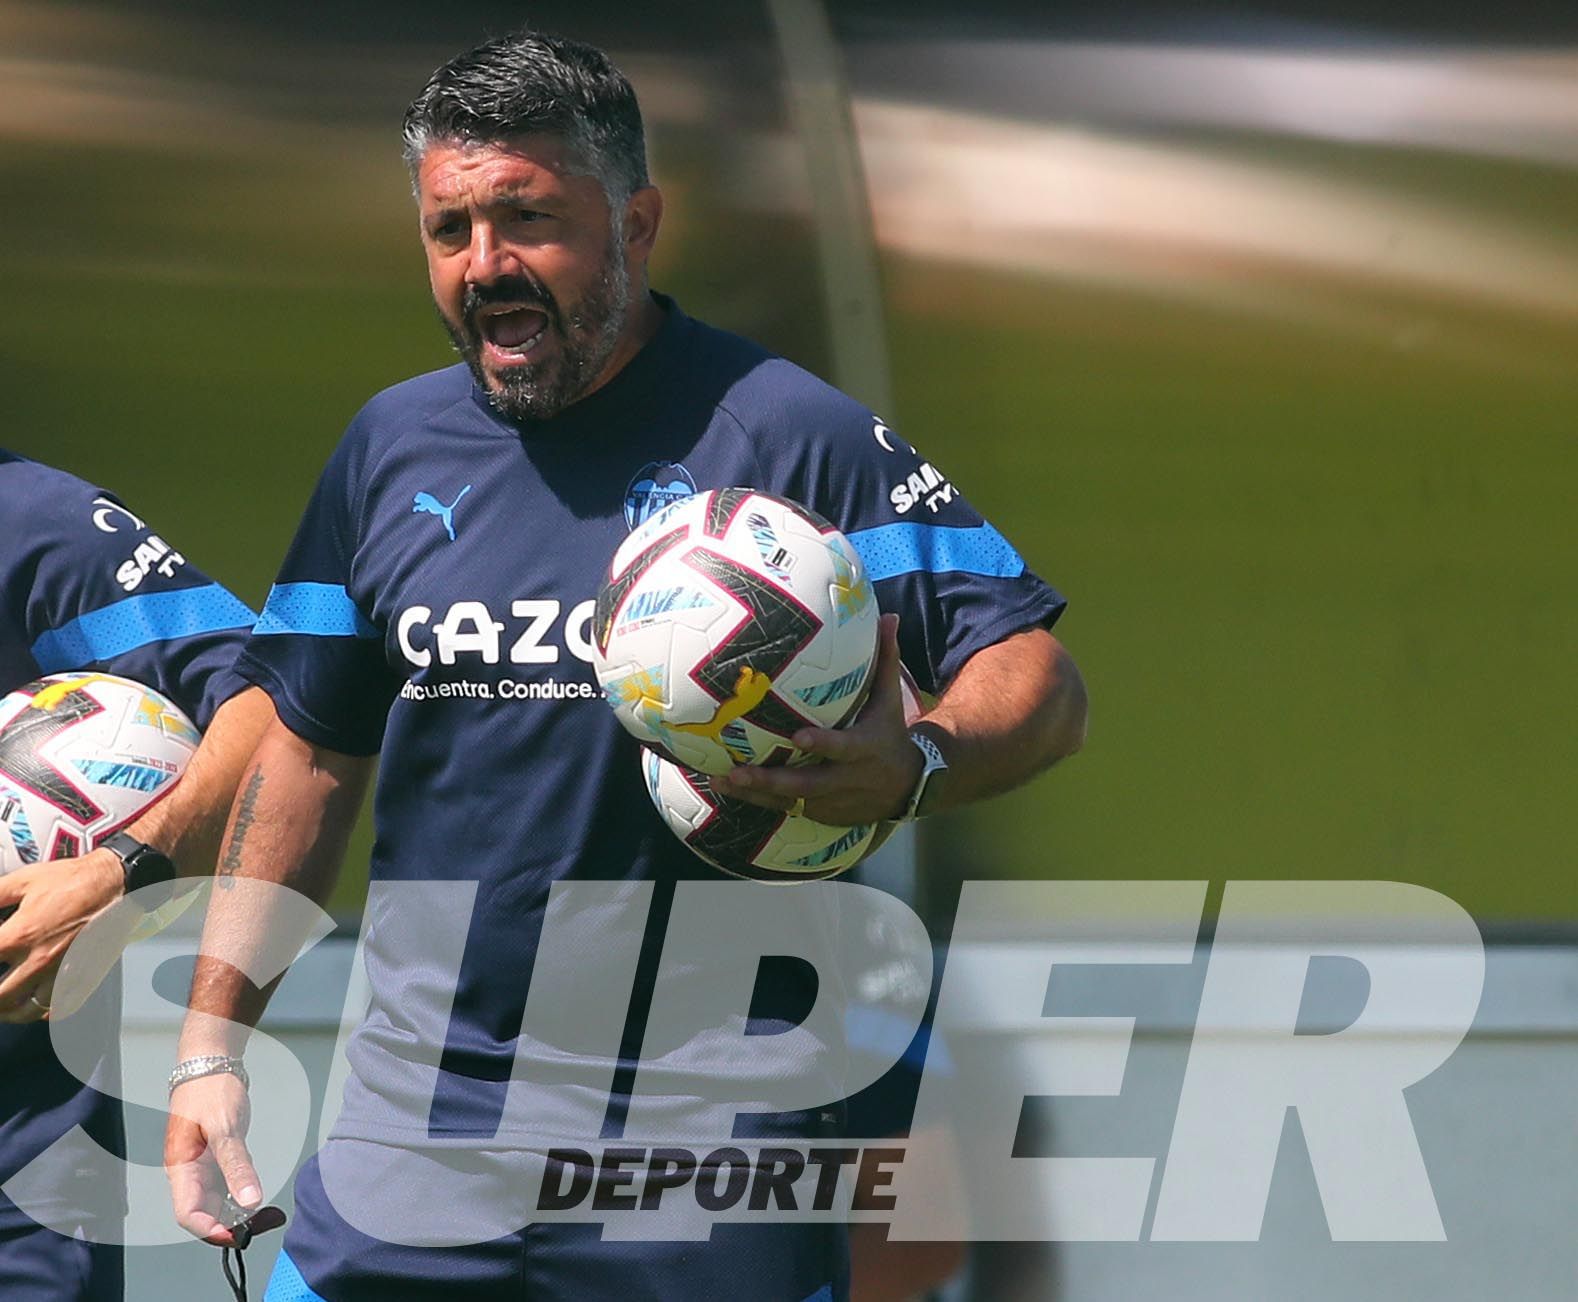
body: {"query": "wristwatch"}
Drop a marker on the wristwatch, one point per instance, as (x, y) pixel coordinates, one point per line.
(924, 797)
(143, 864)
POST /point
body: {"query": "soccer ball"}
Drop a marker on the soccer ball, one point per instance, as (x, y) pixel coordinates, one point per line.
(729, 621)
(747, 840)
(82, 755)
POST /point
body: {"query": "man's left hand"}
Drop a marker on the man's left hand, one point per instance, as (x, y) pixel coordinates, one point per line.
(52, 902)
(868, 769)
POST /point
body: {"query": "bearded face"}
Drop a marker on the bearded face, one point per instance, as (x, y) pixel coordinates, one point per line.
(532, 354)
(529, 273)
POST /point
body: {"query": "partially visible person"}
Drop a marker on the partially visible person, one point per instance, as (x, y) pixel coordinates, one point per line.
(86, 584)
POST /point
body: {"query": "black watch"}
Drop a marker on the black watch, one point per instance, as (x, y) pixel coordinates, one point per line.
(144, 865)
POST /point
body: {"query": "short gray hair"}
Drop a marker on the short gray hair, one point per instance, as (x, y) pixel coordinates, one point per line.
(526, 83)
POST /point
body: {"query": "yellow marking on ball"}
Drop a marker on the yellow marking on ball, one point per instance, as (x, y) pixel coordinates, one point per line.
(641, 689)
(750, 690)
(49, 697)
(152, 711)
(851, 595)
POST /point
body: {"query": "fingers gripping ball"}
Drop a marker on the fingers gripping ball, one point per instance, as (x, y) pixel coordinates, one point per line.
(81, 756)
(745, 840)
(763, 845)
(728, 622)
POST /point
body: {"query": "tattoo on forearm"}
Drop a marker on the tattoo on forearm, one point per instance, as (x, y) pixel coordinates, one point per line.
(245, 815)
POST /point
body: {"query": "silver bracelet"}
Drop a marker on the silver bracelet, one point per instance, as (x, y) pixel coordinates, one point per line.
(212, 1064)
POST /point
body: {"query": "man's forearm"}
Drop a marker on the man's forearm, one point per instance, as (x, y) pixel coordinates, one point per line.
(1014, 709)
(288, 827)
(188, 823)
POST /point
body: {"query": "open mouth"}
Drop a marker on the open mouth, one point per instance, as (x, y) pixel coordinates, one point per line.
(512, 332)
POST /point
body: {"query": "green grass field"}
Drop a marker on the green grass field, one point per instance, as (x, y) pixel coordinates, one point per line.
(1318, 583)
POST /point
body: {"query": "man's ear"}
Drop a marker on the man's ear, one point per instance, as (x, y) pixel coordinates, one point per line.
(643, 216)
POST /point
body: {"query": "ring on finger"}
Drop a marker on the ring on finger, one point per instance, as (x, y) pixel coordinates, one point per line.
(38, 1004)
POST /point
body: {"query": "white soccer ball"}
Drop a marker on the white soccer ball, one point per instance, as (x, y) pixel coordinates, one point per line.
(81, 756)
(747, 840)
(728, 622)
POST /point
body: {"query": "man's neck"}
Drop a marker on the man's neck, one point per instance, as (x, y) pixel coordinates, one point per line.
(642, 322)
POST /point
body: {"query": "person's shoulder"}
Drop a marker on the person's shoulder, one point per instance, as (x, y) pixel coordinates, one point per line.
(400, 412)
(773, 398)
(52, 501)
(413, 401)
(720, 350)
(60, 530)
(40, 485)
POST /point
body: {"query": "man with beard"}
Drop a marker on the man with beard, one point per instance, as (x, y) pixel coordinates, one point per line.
(434, 611)
(85, 584)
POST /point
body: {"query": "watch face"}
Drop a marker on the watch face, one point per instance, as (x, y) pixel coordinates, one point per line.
(151, 868)
(144, 865)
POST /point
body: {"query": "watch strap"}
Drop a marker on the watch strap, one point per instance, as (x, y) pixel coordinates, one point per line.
(933, 763)
(143, 864)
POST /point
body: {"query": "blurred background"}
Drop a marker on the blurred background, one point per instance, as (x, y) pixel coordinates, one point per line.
(1253, 326)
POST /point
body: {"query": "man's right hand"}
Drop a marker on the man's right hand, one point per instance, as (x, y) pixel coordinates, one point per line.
(42, 908)
(206, 1158)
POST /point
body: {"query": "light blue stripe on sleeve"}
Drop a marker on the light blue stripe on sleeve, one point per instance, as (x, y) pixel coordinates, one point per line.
(133, 622)
(316, 609)
(894, 549)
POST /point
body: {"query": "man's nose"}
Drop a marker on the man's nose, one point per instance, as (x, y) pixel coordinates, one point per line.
(489, 256)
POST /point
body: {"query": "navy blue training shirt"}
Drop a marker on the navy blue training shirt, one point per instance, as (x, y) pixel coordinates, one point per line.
(87, 584)
(435, 609)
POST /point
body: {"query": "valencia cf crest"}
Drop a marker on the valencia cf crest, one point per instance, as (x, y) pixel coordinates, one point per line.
(656, 485)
